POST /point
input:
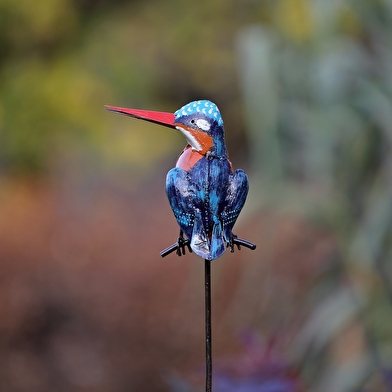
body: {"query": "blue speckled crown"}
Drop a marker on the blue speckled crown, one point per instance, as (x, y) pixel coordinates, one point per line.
(206, 107)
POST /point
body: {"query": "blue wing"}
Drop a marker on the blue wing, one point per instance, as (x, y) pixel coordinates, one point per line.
(180, 195)
(234, 201)
(186, 201)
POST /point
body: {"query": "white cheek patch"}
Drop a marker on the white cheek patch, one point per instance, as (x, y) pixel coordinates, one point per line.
(190, 139)
(203, 124)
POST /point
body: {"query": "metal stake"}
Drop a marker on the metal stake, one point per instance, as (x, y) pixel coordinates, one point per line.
(180, 247)
(208, 325)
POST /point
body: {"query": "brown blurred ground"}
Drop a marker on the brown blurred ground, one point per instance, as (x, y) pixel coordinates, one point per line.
(87, 304)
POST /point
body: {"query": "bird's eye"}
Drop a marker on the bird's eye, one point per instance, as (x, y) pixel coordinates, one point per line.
(192, 121)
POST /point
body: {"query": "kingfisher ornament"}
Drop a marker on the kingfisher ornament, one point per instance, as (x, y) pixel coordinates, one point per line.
(204, 192)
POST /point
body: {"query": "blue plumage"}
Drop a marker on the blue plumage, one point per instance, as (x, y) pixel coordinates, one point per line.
(206, 196)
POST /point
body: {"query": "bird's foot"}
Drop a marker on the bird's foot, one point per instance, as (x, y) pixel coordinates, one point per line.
(181, 244)
(234, 240)
(179, 247)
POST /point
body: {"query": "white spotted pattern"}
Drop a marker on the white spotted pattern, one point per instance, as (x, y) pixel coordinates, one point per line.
(205, 107)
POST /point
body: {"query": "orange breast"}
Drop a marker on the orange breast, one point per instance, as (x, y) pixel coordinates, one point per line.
(188, 158)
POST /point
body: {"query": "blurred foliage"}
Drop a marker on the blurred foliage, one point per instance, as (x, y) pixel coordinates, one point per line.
(305, 88)
(318, 84)
(62, 61)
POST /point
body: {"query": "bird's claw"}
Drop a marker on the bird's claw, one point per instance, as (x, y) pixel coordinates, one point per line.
(179, 247)
(181, 244)
(231, 243)
(234, 240)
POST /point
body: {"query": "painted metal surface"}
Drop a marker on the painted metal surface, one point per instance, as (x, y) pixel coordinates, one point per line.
(204, 192)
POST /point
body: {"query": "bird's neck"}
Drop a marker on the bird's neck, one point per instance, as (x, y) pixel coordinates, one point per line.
(219, 149)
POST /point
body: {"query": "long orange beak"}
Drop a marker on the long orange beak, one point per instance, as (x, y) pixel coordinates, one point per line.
(161, 118)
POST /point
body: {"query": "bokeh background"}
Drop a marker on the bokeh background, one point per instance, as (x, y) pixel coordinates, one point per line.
(86, 302)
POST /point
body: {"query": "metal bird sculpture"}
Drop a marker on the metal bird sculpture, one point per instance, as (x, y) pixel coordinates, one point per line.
(205, 193)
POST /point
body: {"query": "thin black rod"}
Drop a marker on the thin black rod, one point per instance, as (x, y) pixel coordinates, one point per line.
(208, 325)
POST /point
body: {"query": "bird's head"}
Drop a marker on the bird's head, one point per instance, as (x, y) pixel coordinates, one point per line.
(202, 125)
(200, 122)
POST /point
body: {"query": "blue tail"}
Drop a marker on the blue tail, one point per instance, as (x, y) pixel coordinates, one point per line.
(218, 243)
(202, 245)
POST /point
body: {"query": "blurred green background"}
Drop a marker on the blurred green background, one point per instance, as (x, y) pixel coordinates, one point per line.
(305, 89)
